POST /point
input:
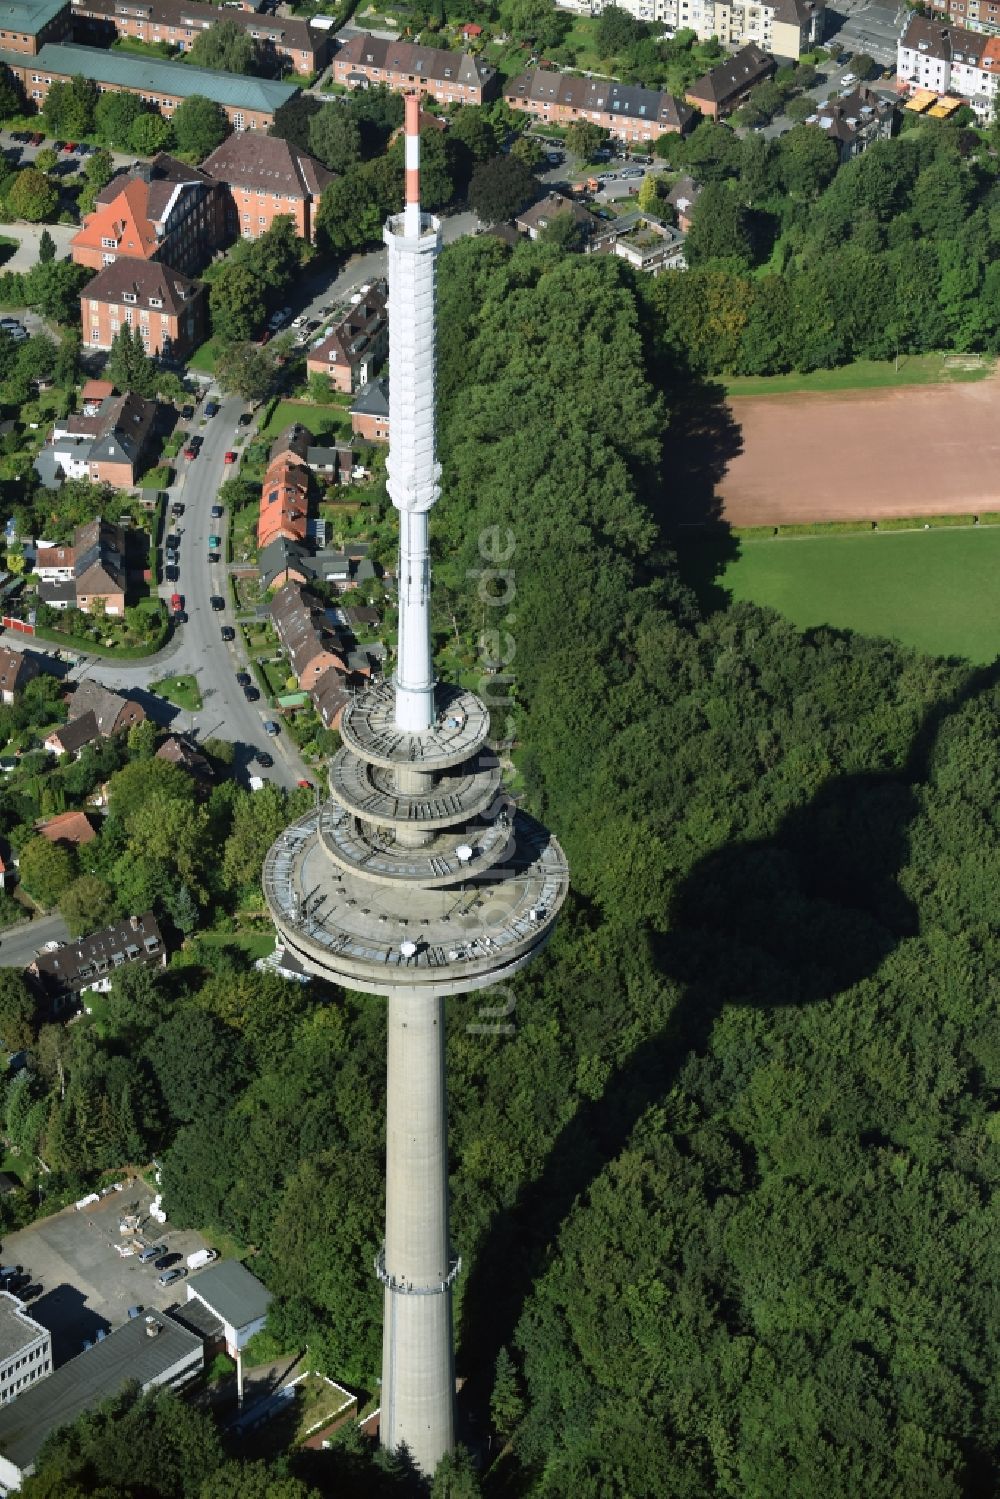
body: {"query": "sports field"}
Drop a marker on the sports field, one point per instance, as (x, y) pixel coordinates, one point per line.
(937, 590)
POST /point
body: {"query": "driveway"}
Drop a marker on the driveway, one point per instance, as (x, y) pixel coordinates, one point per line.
(20, 944)
(85, 1284)
(28, 236)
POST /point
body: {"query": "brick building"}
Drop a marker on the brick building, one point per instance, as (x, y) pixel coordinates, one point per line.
(178, 23)
(17, 669)
(352, 350)
(284, 500)
(449, 77)
(856, 120)
(248, 103)
(165, 307)
(724, 87)
(976, 15)
(370, 411)
(162, 210)
(630, 113)
(109, 445)
(263, 177)
(95, 567)
(28, 24)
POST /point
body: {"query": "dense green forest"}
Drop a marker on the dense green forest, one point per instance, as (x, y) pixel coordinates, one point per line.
(722, 1187)
(796, 264)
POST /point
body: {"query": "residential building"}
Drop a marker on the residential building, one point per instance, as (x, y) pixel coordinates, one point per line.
(71, 829)
(248, 103)
(629, 112)
(179, 752)
(856, 120)
(162, 305)
(114, 712)
(161, 210)
(949, 60)
(308, 638)
(332, 462)
(284, 501)
(975, 15)
(235, 1297)
(29, 24)
(108, 445)
(785, 27)
(54, 563)
(265, 177)
(725, 87)
(25, 1349)
(73, 737)
(178, 23)
(283, 561)
(99, 567)
(409, 67)
(151, 1351)
(682, 197)
(541, 214)
(352, 350)
(330, 695)
(86, 965)
(370, 411)
(17, 669)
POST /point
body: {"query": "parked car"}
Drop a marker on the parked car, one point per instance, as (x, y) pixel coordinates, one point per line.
(270, 727)
(191, 451)
(215, 556)
(83, 149)
(228, 633)
(58, 146)
(213, 542)
(196, 440)
(304, 785)
(279, 319)
(172, 573)
(177, 508)
(244, 678)
(230, 458)
(69, 148)
(170, 1277)
(218, 602)
(216, 512)
(264, 759)
(298, 321)
(849, 80)
(211, 408)
(201, 1257)
(187, 412)
(244, 419)
(251, 693)
(37, 139)
(151, 1252)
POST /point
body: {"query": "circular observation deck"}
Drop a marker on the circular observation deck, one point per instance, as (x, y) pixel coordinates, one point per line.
(461, 728)
(368, 791)
(367, 854)
(377, 938)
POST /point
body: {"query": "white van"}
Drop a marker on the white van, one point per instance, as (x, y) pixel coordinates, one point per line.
(201, 1258)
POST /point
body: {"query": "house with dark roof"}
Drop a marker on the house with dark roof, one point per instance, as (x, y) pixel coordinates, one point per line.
(263, 177)
(107, 445)
(856, 120)
(236, 1297)
(163, 306)
(312, 646)
(370, 411)
(178, 23)
(409, 67)
(532, 221)
(97, 567)
(284, 499)
(161, 210)
(629, 112)
(351, 351)
(17, 669)
(724, 88)
(114, 712)
(682, 197)
(87, 964)
(949, 60)
(73, 737)
(332, 462)
(179, 752)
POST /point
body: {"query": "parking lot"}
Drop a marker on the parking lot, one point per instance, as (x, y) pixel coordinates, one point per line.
(86, 1286)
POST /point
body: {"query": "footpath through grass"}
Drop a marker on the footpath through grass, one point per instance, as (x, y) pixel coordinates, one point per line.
(864, 374)
(935, 590)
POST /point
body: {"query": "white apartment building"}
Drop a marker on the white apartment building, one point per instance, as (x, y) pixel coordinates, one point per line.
(786, 28)
(25, 1349)
(947, 60)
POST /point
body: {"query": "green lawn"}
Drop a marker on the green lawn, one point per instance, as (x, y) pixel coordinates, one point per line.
(203, 358)
(935, 590)
(320, 420)
(181, 691)
(865, 374)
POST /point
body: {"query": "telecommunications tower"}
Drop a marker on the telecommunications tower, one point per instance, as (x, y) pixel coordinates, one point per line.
(418, 879)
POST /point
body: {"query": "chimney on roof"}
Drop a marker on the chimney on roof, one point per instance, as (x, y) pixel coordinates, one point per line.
(133, 922)
(144, 171)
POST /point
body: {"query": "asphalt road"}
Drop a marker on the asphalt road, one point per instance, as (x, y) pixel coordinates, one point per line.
(197, 646)
(20, 944)
(871, 26)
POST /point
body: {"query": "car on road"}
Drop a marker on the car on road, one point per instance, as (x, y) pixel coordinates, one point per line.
(177, 508)
(251, 693)
(244, 419)
(214, 542)
(211, 408)
(270, 727)
(176, 603)
(58, 146)
(312, 325)
(69, 148)
(304, 785)
(217, 602)
(279, 319)
(20, 135)
(263, 758)
(187, 412)
(244, 678)
(230, 456)
(37, 139)
(191, 451)
(217, 511)
(215, 556)
(228, 633)
(848, 80)
(298, 321)
(83, 149)
(633, 172)
(172, 572)
(554, 158)
(196, 440)
(170, 1277)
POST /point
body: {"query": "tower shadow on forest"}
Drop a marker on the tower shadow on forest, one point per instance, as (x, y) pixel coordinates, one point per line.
(792, 919)
(702, 440)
